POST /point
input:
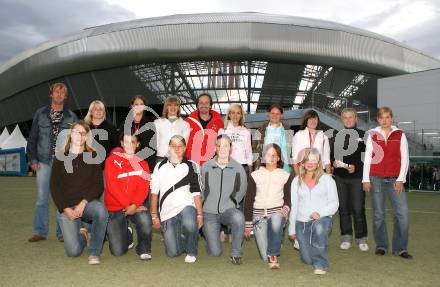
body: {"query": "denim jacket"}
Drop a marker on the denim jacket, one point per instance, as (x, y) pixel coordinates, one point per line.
(39, 146)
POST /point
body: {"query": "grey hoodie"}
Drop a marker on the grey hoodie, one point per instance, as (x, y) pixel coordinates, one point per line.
(223, 188)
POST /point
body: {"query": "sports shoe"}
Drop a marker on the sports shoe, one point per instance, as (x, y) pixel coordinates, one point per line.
(36, 238)
(380, 252)
(318, 271)
(145, 256)
(131, 244)
(93, 260)
(363, 247)
(273, 262)
(223, 236)
(190, 259)
(296, 244)
(86, 235)
(345, 245)
(236, 260)
(405, 255)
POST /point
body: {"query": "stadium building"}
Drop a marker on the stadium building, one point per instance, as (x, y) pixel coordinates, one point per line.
(248, 58)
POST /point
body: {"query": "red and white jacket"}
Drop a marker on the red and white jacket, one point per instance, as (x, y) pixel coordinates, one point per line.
(127, 181)
(201, 143)
(386, 157)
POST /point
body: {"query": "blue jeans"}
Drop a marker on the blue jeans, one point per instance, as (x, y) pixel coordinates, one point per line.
(269, 233)
(119, 238)
(381, 188)
(74, 243)
(41, 218)
(181, 233)
(231, 217)
(312, 237)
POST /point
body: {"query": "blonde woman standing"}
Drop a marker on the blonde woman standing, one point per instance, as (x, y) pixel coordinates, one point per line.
(169, 125)
(314, 201)
(236, 130)
(96, 119)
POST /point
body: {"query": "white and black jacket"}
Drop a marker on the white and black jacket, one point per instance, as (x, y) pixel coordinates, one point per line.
(176, 186)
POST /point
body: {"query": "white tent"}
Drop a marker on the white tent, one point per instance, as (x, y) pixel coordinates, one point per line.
(4, 135)
(15, 140)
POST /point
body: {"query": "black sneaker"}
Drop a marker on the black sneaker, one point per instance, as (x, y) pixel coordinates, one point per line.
(380, 252)
(236, 260)
(405, 255)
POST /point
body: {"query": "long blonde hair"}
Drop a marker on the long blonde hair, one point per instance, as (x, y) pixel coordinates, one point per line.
(169, 100)
(231, 108)
(88, 117)
(87, 143)
(302, 170)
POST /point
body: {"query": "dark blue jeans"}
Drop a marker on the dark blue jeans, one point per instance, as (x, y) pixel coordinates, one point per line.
(181, 233)
(119, 236)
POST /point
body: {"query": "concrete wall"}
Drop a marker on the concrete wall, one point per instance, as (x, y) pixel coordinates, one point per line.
(413, 97)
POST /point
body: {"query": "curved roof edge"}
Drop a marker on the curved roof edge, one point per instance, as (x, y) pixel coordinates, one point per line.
(221, 36)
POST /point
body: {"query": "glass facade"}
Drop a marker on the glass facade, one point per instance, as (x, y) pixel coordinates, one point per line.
(258, 84)
(255, 84)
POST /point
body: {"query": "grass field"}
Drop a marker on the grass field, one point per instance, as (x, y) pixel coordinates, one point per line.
(45, 264)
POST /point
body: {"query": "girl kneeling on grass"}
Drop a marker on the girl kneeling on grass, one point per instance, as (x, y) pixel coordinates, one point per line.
(76, 186)
(127, 179)
(267, 204)
(314, 201)
(175, 190)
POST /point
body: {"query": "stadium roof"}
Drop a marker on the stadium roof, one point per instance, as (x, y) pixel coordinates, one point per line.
(317, 45)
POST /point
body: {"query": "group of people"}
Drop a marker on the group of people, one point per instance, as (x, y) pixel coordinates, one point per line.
(192, 178)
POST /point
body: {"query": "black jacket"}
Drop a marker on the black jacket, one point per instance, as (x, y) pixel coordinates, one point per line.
(111, 142)
(85, 181)
(354, 159)
(147, 138)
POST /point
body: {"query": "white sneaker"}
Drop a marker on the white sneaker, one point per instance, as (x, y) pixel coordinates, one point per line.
(319, 271)
(223, 237)
(296, 244)
(363, 247)
(94, 260)
(131, 245)
(145, 256)
(345, 245)
(190, 259)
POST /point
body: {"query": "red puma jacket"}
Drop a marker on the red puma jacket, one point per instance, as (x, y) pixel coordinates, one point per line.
(127, 181)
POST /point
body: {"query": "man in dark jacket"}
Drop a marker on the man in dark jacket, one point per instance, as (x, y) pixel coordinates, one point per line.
(47, 123)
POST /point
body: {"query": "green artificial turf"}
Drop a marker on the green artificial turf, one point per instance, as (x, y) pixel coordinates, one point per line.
(45, 264)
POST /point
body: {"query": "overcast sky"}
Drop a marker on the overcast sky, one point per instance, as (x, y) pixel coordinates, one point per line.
(24, 24)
